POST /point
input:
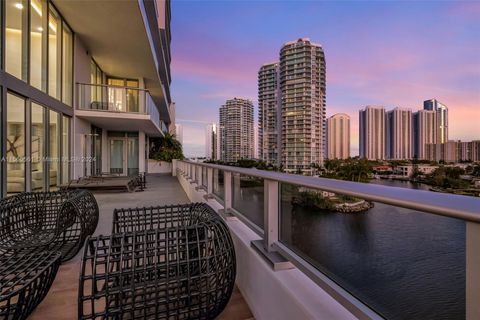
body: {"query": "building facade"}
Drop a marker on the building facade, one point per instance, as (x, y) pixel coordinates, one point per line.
(372, 133)
(179, 132)
(424, 132)
(441, 122)
(303, 100)
(212, 142)
(236, 130)
(338, 136)
(77, 96)
(269, 113)
(398, 130)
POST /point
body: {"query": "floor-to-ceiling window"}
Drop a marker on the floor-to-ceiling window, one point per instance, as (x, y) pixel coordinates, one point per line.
(53, 152)
(65, 150)
(67, 55)
(38, 44)
(15, 144)
(54, 52)
(16, 38)
(37, 140)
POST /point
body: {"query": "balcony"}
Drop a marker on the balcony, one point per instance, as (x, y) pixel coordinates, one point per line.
(61, 301)
(112, 107)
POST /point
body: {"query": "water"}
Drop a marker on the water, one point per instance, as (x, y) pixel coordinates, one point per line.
(403, 263)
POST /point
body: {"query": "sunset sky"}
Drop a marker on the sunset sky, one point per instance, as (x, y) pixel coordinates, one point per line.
(391, 53)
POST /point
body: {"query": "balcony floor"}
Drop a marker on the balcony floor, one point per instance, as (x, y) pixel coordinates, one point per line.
(61, 301)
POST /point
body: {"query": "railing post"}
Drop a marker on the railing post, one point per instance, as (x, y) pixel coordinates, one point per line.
(473, 271)
(227, 178)
(271, 213)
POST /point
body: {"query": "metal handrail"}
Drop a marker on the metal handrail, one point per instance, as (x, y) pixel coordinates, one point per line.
(450, 205)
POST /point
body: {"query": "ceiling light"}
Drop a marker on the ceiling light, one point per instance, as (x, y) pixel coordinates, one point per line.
(40, 29)
(19, 6)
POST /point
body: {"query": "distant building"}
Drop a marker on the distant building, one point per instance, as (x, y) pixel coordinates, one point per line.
(398, 128)
(303, 90)
(372, 133)
(424, 132)
(338, 136)
(446, 152)
(407, 170)
(212, 143)
(269, 113)
(179, 132)
(441, 124)
(236, 130)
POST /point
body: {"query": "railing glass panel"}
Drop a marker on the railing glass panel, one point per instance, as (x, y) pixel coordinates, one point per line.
(218, 184)
(247, 197)
(404, 264)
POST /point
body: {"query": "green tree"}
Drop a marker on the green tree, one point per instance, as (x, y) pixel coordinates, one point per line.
(165, 148)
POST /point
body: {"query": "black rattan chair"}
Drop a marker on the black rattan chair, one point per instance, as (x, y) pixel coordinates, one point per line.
(174, 262)
(55, 221)
(24, 281)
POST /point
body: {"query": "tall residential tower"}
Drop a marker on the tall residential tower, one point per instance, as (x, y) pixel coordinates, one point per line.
(441, 125)
(212, 142)
(303, 91)
(269, 114)
(338, 136)
(398, 128)
(372, 133)
(236, 130)
(424, 132)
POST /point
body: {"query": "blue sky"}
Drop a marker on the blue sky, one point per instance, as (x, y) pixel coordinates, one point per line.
(392, 53)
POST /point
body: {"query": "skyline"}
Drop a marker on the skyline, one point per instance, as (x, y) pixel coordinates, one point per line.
(401, 58)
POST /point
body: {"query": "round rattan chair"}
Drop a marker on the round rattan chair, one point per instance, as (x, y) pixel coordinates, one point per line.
(55, 221)
(174, 262)
(25, 279)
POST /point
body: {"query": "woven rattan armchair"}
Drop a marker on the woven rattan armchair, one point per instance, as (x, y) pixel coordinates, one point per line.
(25, 279)
(174, 262)
(55, 221)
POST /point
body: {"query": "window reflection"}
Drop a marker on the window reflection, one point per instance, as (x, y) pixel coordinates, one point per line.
(53, 152)
(65, 150)
(38, 147)
(16, 37)
(15, 144)
(54, 49)
(67, 65)
(38, 45)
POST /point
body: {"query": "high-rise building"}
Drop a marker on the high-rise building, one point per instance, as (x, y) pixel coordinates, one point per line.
(179, 132)
(269, 113)
(398, 129)
(303, 99)
(424, 132)
(441, 124)
(236, 130)
(338, 136)
(74, 87)
(372, 132)
(212, 142)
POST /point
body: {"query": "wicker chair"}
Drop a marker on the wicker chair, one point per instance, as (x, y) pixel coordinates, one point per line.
(174, 262)
(25, 279)
(54, 221)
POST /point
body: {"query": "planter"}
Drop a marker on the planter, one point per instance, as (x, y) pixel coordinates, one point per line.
(155, 166)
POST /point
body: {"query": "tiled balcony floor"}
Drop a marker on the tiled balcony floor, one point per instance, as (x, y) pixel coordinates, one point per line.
(61, 301)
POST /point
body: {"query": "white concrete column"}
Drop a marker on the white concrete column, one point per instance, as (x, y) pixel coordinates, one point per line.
(271, 213)
(209, 181)
(227, 180)
(141, 152)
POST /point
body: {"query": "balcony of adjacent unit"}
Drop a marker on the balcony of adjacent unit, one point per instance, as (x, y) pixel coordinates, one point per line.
(113, 107)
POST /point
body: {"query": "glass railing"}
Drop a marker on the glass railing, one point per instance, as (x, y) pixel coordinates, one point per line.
(397, 249)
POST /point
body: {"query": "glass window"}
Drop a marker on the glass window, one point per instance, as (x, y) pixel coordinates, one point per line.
(38, 147)
(16, 38)
(65, 149)
(15, 144)
(54, 49)
(67, 54)
(53, 153)
(38, 45)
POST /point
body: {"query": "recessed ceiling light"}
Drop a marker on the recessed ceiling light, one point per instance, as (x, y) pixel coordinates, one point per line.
(19, 6)
(40, 29)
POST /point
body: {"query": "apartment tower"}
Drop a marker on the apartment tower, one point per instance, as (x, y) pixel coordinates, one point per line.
(303, 99)
(441, 125)
(338, 136)
(236, 130)
(399, 141)
(424, 132)
(372, 133)
(212, 143)
(269, 113)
